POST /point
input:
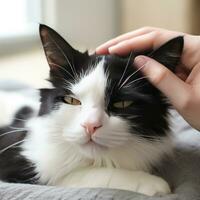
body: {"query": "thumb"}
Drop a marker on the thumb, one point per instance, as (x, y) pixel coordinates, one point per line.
(166, 81)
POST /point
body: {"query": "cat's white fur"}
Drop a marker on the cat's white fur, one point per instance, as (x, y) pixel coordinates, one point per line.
(58, 145)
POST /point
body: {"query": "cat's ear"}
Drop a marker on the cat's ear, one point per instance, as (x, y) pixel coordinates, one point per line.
(58, 52)
(169, 54)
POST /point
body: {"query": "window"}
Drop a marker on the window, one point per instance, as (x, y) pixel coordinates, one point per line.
(16, 17)
(18, 23)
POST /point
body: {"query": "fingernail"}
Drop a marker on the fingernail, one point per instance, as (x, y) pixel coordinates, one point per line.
(116, 49)
(102, 49)
(99, 48)
(140, 61)
(111, 49)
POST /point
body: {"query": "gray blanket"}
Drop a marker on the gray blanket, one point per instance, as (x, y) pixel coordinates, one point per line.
(29, 192)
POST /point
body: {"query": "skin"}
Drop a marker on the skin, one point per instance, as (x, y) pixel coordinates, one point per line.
(183, 87)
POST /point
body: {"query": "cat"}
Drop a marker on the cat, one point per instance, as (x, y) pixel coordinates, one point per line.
(102, 112)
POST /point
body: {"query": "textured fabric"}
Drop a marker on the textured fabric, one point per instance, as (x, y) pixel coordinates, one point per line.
(30, 192)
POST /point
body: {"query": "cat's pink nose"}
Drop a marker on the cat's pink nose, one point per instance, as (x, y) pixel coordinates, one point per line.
(90, 127)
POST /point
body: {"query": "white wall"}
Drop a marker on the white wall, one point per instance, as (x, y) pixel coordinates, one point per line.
(84, 23)
(87, 23)
(171, 14)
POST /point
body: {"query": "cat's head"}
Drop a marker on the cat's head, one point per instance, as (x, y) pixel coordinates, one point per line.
(103, 102)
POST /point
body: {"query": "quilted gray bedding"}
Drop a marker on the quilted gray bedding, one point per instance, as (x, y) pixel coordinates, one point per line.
(28, 192)
(36, 192)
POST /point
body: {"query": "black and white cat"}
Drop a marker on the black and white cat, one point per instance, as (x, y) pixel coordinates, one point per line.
(101, 113)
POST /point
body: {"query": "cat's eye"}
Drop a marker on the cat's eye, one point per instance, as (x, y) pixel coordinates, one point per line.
(122, 104)
(71, 100)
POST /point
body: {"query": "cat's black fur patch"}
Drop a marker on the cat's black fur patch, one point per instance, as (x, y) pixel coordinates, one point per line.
(147, 115)
(13, 166)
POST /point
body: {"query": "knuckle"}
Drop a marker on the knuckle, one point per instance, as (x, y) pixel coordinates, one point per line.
(157, 36)
(159, 76)
(124, 43)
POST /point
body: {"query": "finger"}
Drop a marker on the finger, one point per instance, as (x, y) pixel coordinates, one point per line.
(174, 88)
(147, 41)
(138, 43)
(103, 49)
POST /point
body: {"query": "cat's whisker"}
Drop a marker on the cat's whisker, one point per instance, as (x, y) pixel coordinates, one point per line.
(139, 69)
(9, 132)
(131, 75)
(77, 77)
(134, 81)
(18, 119)
(17, 128)
(125, 69)
(12, 145)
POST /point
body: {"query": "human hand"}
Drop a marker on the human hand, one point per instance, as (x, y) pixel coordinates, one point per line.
(183, 87)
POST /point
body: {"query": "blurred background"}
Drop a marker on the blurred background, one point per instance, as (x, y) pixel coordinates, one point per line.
(84, 24)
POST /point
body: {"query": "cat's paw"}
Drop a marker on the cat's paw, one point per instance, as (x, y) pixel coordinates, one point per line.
(152, 185)
(139, 181)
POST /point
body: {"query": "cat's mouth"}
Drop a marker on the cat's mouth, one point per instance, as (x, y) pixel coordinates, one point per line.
(92, 148)
(92, 143)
